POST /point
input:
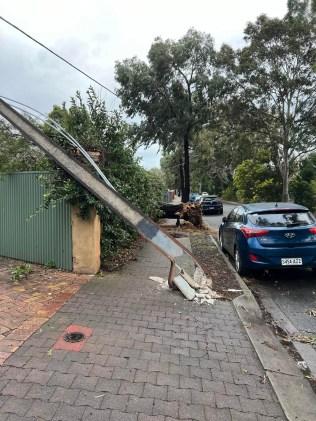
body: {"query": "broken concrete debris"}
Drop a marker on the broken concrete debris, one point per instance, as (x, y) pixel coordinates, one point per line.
(198, 289)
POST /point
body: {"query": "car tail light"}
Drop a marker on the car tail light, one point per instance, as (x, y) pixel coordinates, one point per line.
(252, 232)
(253, 257)
(312, 230)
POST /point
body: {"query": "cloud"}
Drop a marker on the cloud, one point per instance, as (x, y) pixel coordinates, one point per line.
(94, 34)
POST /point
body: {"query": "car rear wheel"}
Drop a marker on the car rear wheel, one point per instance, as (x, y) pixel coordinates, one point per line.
(239, 263)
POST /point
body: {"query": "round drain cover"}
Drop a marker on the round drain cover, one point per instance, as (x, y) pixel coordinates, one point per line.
(74, 337)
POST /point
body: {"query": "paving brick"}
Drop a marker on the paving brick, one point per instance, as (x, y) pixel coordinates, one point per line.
(79, 368)
(153, 391)
(182, 395)
(91, 414)
(124, 373)
(151, 356)
(140, 405)
(236, 390)
(179, 369)
(252, 405)
(213, 386)
(172, 358)
(14, 388)
(38, 391)
(101, 371)
(190, 383)
(116, 362)
(128, 388)
(85, 383)
(122, 416)
(61, 379)
(62, 366)
(69, 413)
(137, 363)
(168, 380)
(158, 366)
(64, 395)
(192, 412)
(16, 406)
(16, 373)
(273, 409)
(203, 398)
(209, 363)
(111, 401)
(145, 417)
(145, 377)
(87, 398)
(166, 408)
(42, 410)
(225, 401)
(202, 373)
(37, 363)
(243, 416)
(39, 376)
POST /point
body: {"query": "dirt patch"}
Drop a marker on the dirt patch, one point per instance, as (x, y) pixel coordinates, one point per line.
(214, 265)
(123, 256)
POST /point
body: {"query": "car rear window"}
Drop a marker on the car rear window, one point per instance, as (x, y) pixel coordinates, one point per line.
(281, 218)
(209, 198)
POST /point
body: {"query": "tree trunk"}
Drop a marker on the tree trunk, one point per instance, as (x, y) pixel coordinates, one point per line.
(186, 169)
(285, 178)
(181, 176)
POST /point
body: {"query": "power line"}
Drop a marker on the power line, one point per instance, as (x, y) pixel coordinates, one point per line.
(58, 56)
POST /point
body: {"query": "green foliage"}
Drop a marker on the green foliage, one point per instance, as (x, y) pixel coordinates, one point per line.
(172, 93)
(275, 81)
(20, 272)
(229, 193)
(17, 154)
(255, 181)
(303, 185)
(107, 134)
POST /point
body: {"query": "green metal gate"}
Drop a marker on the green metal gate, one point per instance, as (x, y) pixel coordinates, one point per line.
(28, 232)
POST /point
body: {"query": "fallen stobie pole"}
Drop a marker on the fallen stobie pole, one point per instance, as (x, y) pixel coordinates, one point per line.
(168, 246)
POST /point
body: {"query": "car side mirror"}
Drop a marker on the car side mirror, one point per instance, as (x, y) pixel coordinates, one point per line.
(224, 219)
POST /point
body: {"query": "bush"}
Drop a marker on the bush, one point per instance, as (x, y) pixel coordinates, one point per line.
(256, 181)
(303, 186)
(106, 133)
(229, 193)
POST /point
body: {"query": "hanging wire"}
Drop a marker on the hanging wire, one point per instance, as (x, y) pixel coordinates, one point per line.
(58, 56)
(56, 126)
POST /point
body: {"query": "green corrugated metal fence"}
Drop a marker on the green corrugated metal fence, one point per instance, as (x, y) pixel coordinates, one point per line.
(28, 232)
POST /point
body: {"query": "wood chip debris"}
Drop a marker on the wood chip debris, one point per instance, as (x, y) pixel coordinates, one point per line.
(306, 339)
(311, 312)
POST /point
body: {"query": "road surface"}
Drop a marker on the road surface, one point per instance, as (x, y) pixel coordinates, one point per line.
(293, 291)
(215, 220)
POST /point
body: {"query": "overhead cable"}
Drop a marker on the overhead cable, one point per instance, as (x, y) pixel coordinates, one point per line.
(59, 56)
(56, 126)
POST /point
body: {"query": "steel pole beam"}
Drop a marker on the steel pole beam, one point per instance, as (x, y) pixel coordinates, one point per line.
(144, 225)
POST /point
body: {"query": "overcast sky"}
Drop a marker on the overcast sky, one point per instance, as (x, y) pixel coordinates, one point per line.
(94, 34)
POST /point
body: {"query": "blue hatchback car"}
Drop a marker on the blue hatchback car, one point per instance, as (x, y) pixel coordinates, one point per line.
(269, 236)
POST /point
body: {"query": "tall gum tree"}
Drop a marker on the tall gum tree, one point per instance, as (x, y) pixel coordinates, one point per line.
(173, 93)
(276, 84)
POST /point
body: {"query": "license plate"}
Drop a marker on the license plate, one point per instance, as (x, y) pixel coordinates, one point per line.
(293, 261)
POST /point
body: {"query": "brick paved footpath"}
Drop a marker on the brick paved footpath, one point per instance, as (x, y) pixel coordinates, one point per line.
(152, 357)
